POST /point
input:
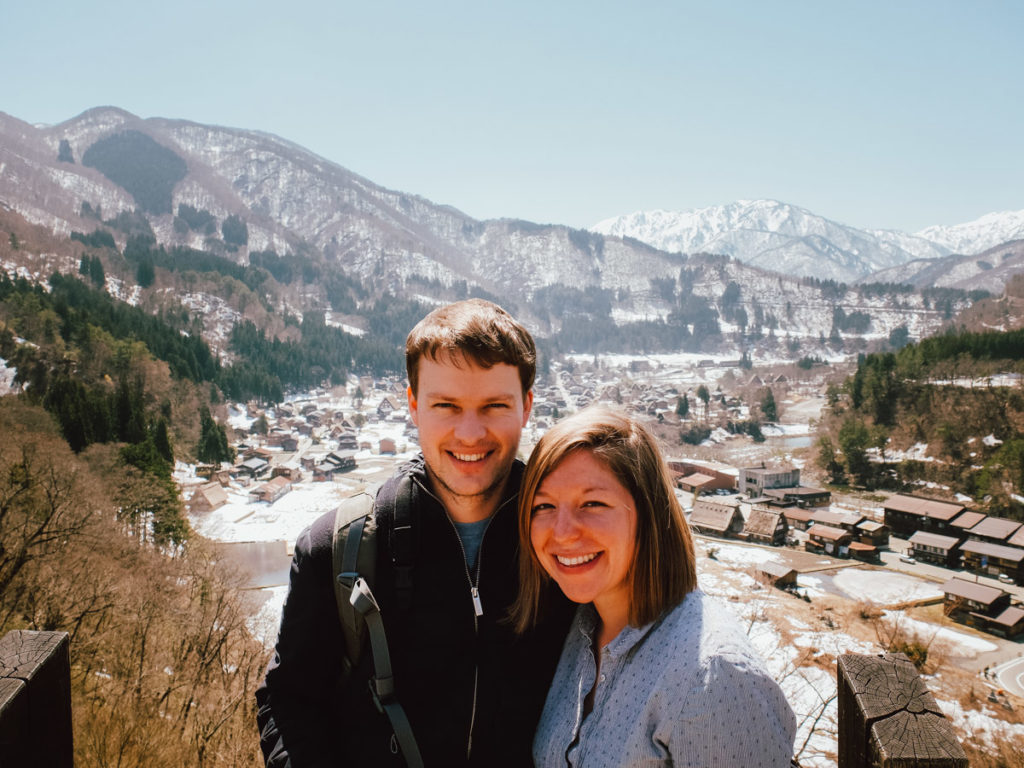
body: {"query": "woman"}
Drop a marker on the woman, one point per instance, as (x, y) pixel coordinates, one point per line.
(653, 672)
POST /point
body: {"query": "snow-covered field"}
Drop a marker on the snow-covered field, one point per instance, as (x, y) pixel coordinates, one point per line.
(885, 587)
(800, 654)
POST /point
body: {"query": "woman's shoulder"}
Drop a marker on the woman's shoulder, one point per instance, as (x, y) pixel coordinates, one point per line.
(707, 628)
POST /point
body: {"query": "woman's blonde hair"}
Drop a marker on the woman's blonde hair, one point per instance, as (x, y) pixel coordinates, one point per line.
(664, 569)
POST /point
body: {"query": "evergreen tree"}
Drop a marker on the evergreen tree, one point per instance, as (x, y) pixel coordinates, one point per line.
(768, 408)
(682, 406)
(213, 445)
(854, 440)
(235, 231)
(64, 154)
(96, 273)
(145, 273)
(162, 440)
(827, 459)
(260, 426)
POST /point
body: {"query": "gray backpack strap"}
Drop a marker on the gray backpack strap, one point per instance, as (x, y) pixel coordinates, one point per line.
(353, 525)
(382, 685)
(354, 555)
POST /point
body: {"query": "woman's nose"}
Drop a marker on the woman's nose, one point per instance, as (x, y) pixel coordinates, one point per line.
(565, 525)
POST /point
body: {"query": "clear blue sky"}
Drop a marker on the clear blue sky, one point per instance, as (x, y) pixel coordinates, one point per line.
(877, 114)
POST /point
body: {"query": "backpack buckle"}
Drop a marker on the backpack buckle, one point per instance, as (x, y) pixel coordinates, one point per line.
(362, 598)
(348, 579)
(382, 690)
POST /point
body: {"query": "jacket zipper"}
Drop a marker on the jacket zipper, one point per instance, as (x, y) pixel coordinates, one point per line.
(474, 593)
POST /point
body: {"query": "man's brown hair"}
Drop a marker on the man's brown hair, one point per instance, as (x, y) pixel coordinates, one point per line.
(474, 331)
(664, 568)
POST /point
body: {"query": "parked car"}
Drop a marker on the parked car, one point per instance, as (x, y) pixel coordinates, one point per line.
(908, 559)
(1005, 579)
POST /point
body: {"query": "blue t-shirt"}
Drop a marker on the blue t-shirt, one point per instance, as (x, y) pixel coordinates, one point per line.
(472, 534)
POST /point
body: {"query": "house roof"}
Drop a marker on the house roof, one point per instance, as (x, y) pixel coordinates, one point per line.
(1010, 617)
(968, 519)
(798, 514)
(213, 493)
(717, 517)
(870, 526)
(988, 549)
(978, 593)
(998, 528)
(835, 519)
(1017, 540)
(778, 570)
(697, 478)
(762, 522)
(801, 490)
(939, 510)
(926, 539)
(274, 484)
(859, 546)
(827, 532)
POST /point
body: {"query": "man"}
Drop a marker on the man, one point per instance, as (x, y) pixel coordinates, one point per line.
(471, 688)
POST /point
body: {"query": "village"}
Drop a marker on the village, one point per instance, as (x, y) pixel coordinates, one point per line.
(814, 575)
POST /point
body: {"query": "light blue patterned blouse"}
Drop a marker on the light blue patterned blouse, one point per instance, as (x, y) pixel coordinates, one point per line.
(687, 690)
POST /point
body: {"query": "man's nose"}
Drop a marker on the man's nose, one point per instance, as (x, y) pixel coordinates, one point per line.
(469, 428)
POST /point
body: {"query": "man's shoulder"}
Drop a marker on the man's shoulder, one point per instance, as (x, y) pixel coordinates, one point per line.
(318, 539)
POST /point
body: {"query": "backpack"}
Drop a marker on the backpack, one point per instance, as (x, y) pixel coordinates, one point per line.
(354, 556)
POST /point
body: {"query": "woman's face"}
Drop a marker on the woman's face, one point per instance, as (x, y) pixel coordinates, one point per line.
(583, 530)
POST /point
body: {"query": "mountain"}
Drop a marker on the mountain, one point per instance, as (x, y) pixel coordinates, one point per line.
(989, 270)
(792, 240)
(979, 235)
(292, 200)
(283, 231)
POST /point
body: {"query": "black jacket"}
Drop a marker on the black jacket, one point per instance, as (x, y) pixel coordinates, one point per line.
(454, 673)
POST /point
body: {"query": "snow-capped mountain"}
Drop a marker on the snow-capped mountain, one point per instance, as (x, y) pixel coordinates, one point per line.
(989, 270)
(972, 238)
(300, 205)
(292, 200)
(792, 240)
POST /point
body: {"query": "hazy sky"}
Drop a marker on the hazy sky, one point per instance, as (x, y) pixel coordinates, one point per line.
(896, 114)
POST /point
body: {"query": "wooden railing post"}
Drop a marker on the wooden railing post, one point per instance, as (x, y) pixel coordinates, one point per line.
(889, 719)
(35, 700)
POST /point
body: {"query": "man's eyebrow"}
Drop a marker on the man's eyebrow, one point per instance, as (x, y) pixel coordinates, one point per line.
(509, 398)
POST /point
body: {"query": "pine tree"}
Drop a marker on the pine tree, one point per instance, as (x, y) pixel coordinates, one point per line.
(768, 408)
(682, 406)
(213, 445)
(162, 440)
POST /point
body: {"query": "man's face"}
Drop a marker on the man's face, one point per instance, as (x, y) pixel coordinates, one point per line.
(469, 420)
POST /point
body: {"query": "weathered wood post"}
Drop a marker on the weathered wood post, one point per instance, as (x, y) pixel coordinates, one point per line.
(35, 700)
(889, 719)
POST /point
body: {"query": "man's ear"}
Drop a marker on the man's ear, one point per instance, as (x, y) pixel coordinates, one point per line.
(413, 407)
(527, 406)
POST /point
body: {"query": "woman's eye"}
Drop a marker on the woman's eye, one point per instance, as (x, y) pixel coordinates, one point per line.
(538, 508)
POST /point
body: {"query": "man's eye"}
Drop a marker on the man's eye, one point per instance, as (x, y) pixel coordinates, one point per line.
(497, 405)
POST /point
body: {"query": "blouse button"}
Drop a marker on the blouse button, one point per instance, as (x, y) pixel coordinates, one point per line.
(602, 678)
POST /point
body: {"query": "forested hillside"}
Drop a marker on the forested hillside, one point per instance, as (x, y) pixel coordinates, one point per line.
(163, 667)
(947, 411)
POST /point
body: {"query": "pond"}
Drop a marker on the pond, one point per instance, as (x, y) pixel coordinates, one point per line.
(266, 562)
